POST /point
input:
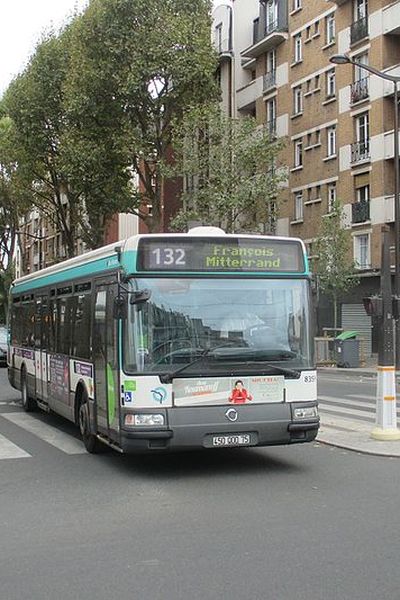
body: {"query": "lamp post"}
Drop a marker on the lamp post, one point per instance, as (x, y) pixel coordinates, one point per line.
(389, 356)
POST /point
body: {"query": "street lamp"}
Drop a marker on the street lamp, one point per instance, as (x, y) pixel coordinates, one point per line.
(386, 392)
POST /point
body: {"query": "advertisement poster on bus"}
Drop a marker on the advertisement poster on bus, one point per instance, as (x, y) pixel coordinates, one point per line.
(59, 378)
(229, 390)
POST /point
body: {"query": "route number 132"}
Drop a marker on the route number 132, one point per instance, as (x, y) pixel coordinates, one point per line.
(169, 256)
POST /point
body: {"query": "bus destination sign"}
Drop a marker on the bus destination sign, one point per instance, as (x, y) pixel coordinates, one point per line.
(220, 255)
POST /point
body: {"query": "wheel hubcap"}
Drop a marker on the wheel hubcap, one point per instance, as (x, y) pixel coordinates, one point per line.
(83, 419)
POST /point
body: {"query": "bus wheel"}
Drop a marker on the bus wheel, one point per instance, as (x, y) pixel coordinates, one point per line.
(90, 441)
(28, 404)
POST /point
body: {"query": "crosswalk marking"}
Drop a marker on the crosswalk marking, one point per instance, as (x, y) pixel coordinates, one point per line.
(357, 414)
(47, 433)
(10, 450)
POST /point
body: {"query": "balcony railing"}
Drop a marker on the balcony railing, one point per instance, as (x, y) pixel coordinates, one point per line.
(259, 33)
(269, 81)
(359, 30)
(360, 151)
(359, 90)
(360, 211)
(270, 127)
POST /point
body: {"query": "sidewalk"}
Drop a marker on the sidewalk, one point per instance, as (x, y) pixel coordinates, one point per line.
(353, 434)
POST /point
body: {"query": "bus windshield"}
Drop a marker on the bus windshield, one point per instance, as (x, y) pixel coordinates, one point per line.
(217, 324)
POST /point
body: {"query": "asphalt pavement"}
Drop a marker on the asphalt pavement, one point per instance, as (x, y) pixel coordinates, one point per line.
(309, 522)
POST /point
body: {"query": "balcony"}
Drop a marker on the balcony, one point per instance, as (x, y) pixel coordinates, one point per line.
(360, 212)
(359, 30)
(269, 81)
(224, 49)
(266, 35)
(360, 151)
(391, 19)
(246, 96)
(359, 90)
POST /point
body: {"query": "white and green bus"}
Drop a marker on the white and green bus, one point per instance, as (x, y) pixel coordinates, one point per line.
(171, 341)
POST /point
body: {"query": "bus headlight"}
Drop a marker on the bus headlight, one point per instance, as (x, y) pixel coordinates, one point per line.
(310, 412)
(145, 419)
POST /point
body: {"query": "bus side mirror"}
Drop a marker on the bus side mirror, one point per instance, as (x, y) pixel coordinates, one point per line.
(120, 307)
(140, 296)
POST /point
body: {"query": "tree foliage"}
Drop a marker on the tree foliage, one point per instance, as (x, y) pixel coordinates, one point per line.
(135, 65)
(231, 171)
(333, 265)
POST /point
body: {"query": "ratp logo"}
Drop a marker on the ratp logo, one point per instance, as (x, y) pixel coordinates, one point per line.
(159, 394)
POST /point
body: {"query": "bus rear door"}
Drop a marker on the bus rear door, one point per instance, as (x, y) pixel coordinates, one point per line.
(41, 325)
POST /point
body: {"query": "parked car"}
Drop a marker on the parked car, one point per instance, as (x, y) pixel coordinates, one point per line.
(3, 345)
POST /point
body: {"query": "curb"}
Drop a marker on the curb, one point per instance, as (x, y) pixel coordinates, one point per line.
(357, 449)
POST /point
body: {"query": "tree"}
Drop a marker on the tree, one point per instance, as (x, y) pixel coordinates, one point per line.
(333, 266)
(230, 167)
(13, 204)
(135, 65)
(34, 102)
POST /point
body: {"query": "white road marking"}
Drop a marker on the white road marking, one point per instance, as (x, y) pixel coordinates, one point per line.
(356, 414)
(10, 450)
(47, 433)
(335, 401)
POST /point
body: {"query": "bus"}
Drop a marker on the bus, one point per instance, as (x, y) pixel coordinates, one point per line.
(171, 341)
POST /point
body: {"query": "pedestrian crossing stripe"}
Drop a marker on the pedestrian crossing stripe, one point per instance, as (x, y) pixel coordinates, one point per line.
(56, 438)
(10, 450)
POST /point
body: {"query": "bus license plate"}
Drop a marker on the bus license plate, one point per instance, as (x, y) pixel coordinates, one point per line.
(240, 439)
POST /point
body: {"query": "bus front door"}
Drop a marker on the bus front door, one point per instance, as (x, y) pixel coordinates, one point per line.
(105, 354)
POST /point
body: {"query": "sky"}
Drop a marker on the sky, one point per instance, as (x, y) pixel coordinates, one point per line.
(21, 25)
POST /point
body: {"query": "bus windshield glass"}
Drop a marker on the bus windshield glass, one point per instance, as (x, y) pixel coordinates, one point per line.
(209, 325)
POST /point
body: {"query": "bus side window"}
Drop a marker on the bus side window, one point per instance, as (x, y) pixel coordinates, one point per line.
(28, 325)
(52, 326)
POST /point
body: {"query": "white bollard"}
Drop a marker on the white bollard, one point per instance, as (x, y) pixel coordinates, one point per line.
(386, 416)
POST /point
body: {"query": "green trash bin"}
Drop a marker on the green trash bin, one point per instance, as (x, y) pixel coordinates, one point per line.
(347, 350)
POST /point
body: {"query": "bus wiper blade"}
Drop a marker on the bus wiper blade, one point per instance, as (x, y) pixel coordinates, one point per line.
(168, 377)
(284, 370)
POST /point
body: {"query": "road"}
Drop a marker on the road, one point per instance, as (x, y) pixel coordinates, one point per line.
(348, 396)
(306, 522)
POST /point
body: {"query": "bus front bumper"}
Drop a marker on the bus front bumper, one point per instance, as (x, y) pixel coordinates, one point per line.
(201, 427)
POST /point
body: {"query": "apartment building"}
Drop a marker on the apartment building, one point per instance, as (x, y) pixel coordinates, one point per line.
(337, 120)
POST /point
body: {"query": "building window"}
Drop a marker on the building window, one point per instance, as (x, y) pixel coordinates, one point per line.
(363, 193)
(298, 206)
(271, 15)
(318, 136)
(331, 196)
(360, 149)
(309, 139)
(317, 82)
(271, 61)
(362, 251)
(271, 116)
(360, 9)
(296, 4)
(330, 84)
(297, 48)
(316, 28)
(330, 28)
(297, 100)
(308, 32)
(317, 192)
(298, 153)
(218, 37)
(331, 141)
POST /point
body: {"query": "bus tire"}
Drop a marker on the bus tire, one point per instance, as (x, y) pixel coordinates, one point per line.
(28, 404)
(90, 441)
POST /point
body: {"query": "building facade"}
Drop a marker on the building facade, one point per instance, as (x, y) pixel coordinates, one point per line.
(337, 120)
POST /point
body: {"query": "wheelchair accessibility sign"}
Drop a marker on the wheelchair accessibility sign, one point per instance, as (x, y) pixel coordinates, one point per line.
(128, 397)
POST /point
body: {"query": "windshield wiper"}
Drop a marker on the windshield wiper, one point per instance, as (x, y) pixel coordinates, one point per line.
(168, 377)
(284, 370)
